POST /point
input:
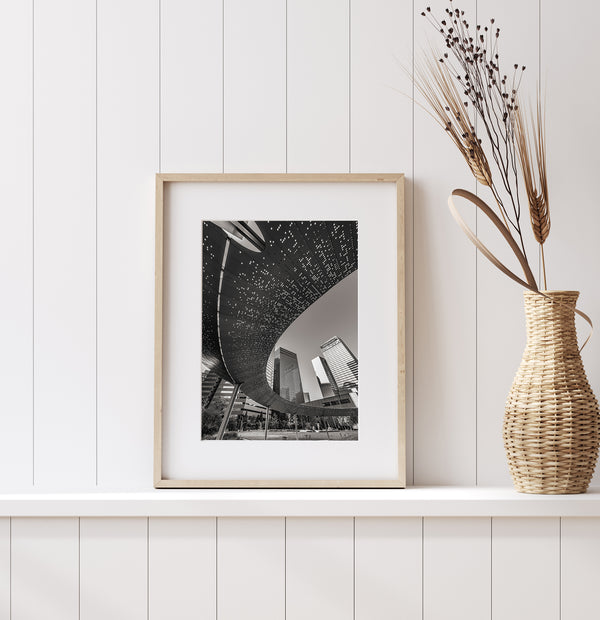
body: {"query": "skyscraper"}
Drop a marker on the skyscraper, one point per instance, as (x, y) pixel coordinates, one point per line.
(342, 363)
(324, 376)
(286, 376)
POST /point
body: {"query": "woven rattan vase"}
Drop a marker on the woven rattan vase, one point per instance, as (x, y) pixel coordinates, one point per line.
(551, 424)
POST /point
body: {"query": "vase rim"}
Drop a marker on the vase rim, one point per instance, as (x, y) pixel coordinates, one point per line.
(551, 292)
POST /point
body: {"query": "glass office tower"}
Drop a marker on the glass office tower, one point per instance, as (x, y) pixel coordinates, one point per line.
(324, 376)
(286, 376)
(342, 363)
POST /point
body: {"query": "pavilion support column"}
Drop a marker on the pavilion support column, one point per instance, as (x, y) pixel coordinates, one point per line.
(225, 420)
(267, 422)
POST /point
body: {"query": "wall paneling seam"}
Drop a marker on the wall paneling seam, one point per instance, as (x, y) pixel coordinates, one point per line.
(10, 568)
(476, 307)
(148, 564)
(286, 86)
(32, 242)
(353, 568)
(96, 249)
(285, 560)
(539, 88)
(422, 566)
(159, 85)
(216, 568)
(560, 568)
(223, 85)
(491, 567)
(79, 568)
(412, 232)
(349, 85)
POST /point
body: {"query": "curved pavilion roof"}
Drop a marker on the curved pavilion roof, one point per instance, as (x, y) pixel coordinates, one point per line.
(262, 294)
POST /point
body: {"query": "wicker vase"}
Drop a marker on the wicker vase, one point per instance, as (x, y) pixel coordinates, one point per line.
(551, 424)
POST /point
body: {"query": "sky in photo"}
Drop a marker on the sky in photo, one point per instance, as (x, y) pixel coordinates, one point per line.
(335, 314)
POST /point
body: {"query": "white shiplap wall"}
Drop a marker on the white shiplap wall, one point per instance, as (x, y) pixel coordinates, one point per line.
(132, 88)
(97, 97)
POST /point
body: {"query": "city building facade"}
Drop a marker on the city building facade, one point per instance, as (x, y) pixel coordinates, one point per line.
(325, 379)
(286, 376)
(341, 362)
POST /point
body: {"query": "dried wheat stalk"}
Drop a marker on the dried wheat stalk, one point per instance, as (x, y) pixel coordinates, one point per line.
(531, 146)
(440, 92)
(469, 76)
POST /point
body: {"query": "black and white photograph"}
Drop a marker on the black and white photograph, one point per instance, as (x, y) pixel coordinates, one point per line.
(280, 330)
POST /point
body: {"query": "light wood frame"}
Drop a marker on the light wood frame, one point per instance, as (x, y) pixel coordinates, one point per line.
(161, 180)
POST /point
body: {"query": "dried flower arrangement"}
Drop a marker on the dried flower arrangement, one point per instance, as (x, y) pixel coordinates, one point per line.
(552, 421)
(468, 76)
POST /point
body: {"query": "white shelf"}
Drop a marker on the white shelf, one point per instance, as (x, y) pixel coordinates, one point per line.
(411, 502)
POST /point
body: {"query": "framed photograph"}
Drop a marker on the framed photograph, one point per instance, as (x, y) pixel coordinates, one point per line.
(279, 331)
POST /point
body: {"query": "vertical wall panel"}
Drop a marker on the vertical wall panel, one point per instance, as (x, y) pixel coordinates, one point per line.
(16, 257)
(191, 86)
(128, 96)
(381, 123)
(573, 133)
(444, 297)
(319, 568)
(113, 568)
(387, 574)
(45, 569)
(182, 569)
(525, 569)
(64, 228)
(254, 57)
(456, 569)
(317, 86)
(381, 109)
(5, 527)
(500, 315)
(251, 569)
(580, 568)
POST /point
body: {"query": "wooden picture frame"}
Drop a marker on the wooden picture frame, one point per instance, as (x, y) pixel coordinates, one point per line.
(166, 183)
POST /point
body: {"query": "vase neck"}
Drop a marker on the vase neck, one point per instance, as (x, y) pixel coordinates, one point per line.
(551, 320)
